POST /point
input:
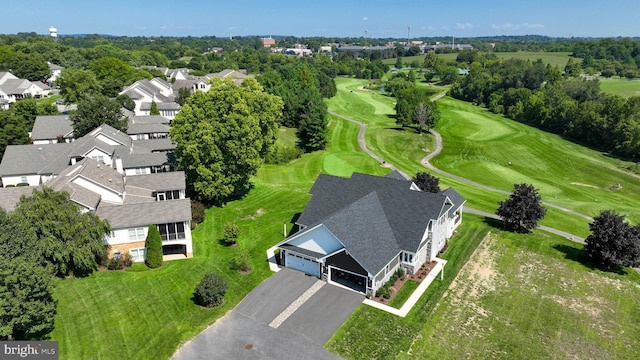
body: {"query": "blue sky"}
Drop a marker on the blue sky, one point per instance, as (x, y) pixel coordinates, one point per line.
(390, 18)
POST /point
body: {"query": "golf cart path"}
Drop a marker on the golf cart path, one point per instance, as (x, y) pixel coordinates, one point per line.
(427, 164)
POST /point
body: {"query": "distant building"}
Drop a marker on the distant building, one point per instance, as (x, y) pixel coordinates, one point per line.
(267, 42)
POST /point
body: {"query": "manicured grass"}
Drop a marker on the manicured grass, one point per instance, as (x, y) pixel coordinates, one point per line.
(558, 59)
(530, 296)
(622, 87)
(405, 292)
(374, 334)
(148, 314)
(479, 145)
(405, 148)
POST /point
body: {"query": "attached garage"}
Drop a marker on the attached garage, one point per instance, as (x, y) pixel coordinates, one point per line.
(303, 264)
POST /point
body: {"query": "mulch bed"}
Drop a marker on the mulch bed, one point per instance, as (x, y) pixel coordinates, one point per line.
(418, 276)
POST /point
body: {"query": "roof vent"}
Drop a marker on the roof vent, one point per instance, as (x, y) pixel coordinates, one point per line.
(40, 149)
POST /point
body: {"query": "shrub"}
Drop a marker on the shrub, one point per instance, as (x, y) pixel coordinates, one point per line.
(120, 262)
(22, 184)
(154, 247)
(210, 291)
(241, 261)
(231, 233)
(198, 213)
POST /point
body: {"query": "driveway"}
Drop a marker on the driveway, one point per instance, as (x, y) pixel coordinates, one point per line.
(289, 316)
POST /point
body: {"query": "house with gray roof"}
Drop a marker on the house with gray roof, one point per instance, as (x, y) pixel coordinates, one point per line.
(129, 203)
(50, 129)
(144, 92)
(13, 89)
(37, 163)
(358, 231)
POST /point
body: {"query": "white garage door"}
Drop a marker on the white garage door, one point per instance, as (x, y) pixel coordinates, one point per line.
(302, 264)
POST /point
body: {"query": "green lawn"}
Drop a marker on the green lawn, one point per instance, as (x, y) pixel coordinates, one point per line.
(520, 297)
(148, 314)
(622, 87)
(478, 145)
(558, 59)
(370, 333)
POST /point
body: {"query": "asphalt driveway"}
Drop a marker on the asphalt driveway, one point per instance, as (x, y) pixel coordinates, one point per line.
(311, 313)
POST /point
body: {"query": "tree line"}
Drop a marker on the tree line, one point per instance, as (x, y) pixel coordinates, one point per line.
(556, 101)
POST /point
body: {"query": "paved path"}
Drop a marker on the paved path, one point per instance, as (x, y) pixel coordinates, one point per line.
(426, 162)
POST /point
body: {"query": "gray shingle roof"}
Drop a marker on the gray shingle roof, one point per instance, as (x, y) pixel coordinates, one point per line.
(158, 182)
(147, 119)
(49, 127)
(9, 197)
(169, 105)
(456, 199)
(112, 133)
(149, 159)
(91, 170)
(142, 128)
(143, 214)
(375, 217)
(34, 159)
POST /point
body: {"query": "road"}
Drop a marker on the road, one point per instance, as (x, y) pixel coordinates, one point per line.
(426, 162)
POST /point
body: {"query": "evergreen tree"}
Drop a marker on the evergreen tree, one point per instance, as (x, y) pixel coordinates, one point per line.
(153, 245)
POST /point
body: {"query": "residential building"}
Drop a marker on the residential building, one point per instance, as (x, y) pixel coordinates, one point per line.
(35, 164)
(366, 227)
(13, 89)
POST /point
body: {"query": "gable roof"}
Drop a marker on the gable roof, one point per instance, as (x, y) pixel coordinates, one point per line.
(50, 127)
(34, 159)
(375, 217)
(145, 213)
(9, 197)
(174, 180)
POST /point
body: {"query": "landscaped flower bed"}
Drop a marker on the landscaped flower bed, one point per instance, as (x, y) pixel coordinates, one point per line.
(389, 290)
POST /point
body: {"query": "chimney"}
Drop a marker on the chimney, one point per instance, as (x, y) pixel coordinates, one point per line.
(119, 167)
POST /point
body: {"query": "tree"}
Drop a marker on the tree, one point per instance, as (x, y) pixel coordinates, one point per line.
(426, 115)
(415, 107)
(230, 233)
(27, 307)
(183, 94)
(77, 84)
(30, 66)
(153, 245)
(522, 211)
(241, 261)
(312, 131)
(95, 111)
(154, 108)
(126, 102)
(399, 63)
(427, 182)
(222, 137)
(69, 241)
(112, 74)
(210, 291)
(613, 243)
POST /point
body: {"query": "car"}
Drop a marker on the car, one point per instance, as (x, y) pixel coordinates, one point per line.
(59, 102)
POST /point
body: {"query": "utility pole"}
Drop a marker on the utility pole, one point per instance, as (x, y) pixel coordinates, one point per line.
(408, 34)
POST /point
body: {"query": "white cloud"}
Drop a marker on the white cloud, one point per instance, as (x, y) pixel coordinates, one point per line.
(164, 27)
(464, 26)
(365, 18)
(509, 26)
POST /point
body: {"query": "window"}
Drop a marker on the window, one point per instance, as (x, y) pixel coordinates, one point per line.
(98, 158)
(23, 179)
(167, 195)
(140, 137)
(138, 254)
(171, 231)
(140, 171)
(136, 234)
(116, 255)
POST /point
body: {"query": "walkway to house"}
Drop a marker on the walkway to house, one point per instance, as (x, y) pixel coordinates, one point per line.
(411, 301)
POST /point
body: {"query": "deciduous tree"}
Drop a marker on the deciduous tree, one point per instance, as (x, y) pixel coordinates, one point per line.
(613, 243)
(210, 291)
(95, 111)
(522, 210)
(427, 182)
(77, 84)
(222, 137)
(68, 241)
(27, 307)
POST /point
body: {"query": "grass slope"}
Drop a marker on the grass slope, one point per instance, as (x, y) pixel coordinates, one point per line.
(478, 145)
(520, 295)
(622, 87)
(370, 333)
(558, 59)
(148, 314)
